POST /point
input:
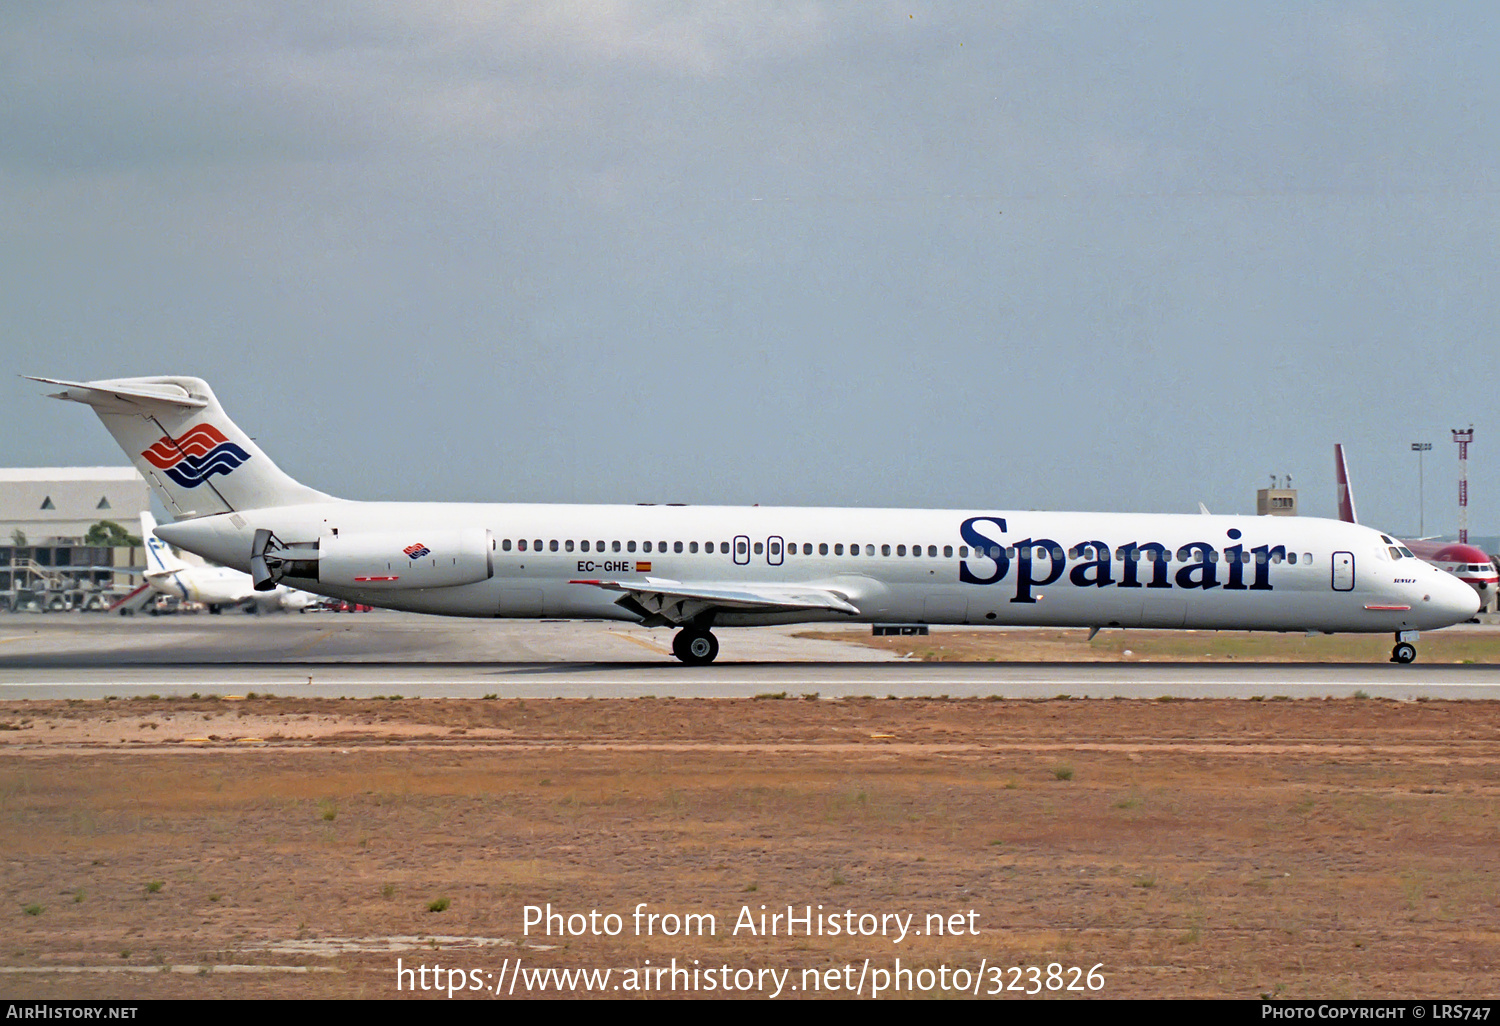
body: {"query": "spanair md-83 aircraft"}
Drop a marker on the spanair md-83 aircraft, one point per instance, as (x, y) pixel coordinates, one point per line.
(695, 568)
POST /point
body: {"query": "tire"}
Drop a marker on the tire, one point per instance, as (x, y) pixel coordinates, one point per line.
(696, 648)
(1404, 653)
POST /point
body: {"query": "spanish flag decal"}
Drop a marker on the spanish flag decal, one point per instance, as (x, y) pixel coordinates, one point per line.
(643, 568)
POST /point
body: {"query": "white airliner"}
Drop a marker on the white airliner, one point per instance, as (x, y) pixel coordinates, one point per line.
(696, 568)
(213, 586)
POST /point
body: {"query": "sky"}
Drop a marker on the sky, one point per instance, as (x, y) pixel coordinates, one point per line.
(1012, 255)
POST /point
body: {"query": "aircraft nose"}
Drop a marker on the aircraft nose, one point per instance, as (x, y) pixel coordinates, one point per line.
(1452, 600)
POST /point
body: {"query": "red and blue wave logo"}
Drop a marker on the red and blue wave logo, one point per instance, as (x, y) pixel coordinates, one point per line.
(199, 454)
(416, 551)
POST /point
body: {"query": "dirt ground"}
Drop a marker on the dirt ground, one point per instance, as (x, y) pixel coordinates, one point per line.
(295, 848)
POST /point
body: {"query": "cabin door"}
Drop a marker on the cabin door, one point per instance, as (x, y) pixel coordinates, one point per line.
(1343, 571)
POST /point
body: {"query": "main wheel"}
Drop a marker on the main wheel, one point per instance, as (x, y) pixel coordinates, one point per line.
(696, 648)
(1404, 653)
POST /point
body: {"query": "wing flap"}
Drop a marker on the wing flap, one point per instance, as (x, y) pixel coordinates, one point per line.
(675, 602)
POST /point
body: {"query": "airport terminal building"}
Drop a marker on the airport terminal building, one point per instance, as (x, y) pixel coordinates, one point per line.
(46, 514)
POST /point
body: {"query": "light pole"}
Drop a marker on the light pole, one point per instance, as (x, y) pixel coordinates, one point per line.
(1419, 448)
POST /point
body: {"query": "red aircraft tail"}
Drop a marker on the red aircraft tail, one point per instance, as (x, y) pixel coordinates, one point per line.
(1346, 495)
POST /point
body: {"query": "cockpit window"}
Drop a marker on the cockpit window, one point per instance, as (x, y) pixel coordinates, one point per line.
(1388, 541)
(1395, 553)
(1406, 552)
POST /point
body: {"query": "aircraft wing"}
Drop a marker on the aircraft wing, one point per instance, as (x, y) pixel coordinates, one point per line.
(662, 602)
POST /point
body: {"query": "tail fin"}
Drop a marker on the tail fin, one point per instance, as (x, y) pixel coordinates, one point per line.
(1346, 494)
(194, 457)
(160, 559)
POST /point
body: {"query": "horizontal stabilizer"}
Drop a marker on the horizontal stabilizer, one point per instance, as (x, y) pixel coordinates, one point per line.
(122, 396)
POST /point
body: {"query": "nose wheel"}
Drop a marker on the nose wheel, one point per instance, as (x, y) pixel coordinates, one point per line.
(695, 647)
(1404, 652)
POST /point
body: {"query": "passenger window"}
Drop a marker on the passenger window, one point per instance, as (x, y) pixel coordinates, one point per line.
(776, 548)
(838, 550)
(537, 545)
(947, 551)
(615, 546)
(677, 546)
(900, 550)
(1291, 557)
(583, 546)
(724, 548)
(553, 545)
(963, 552)
(661, 546)
(645, 546)
(885, 550)
(630, 546)
(521, 544)
(568, 545)
(692, 547)
(807, 548)
(739, 547)
(1307, 557)
(599, 547)
(822, 548)
(869, 550)
(759, 548)
(505, 545)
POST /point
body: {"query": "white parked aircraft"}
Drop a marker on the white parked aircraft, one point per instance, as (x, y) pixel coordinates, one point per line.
(696, 568)
(213, 586)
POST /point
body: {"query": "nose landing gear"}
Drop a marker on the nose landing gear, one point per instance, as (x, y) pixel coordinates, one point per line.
(695, 647)
(1405, 651)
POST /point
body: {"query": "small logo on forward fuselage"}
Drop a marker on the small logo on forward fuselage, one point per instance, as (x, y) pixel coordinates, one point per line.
(416, 551)
(199, 454)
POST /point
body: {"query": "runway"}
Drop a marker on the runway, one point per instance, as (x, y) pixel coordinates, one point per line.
(386, 654)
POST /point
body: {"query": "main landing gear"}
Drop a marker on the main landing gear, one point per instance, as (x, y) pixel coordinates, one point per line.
(1405, 651)
(695, 647)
